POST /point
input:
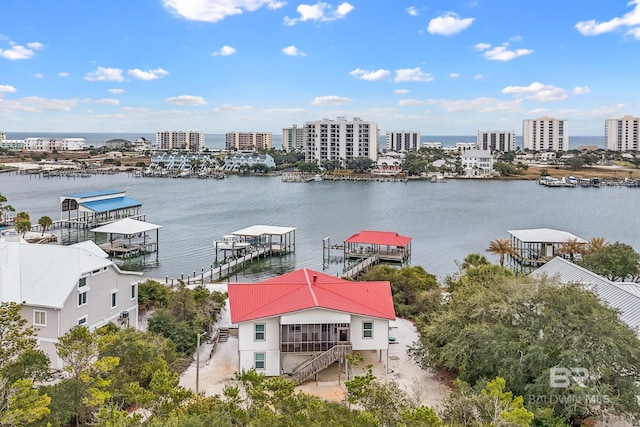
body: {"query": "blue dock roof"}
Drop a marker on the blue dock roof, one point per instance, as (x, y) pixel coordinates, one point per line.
(94, 194)
(113, 204)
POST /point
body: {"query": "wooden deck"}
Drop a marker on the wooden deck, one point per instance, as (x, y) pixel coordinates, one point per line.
(125, 249)
(362, 266)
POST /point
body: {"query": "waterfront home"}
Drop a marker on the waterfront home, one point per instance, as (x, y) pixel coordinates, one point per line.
(247, 159)
(61, 287)
(624, 297)
(301, 322)
(477, 163)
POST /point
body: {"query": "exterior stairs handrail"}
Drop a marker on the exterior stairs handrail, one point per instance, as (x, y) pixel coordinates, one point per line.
(319, 362)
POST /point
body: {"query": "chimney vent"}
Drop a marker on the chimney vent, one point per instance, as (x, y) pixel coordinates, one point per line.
(315, 278)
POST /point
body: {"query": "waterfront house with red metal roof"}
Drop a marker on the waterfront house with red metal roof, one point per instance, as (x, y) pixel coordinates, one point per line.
(302, 322)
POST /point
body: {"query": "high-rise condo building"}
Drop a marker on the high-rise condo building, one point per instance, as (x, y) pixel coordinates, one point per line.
(496, 140)
(402, 140)
(293, 138)
(622, 134)
(248, 141)
(180, 140)
(340, 139)
(545, 134)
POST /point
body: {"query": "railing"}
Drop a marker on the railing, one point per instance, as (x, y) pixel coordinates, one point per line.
(311, 367)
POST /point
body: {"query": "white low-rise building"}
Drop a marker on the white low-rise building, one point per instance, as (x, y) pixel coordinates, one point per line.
(235, 162)
(60, 287)
(477, 163)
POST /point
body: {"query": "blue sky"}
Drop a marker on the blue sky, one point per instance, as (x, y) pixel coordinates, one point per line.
(440, 67)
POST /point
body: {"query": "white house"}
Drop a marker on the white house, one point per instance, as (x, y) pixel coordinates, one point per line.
(301, 322)
(477, 162)
(61, 287)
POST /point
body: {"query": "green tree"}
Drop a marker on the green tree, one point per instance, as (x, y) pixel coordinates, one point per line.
(360, 164)
(45, 222)
(474, 260)
(22, 226)
(88, 382)
(21, 363)
(519, 329)
(501, 247)
(153, 294)
(4, 207)
(572, 247)
(617, 262)
(491, 406)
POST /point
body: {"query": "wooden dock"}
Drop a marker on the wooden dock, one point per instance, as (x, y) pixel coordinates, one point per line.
(361, 266)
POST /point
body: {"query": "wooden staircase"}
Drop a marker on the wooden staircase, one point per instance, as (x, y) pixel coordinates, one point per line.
(312, 366)
(223, 334)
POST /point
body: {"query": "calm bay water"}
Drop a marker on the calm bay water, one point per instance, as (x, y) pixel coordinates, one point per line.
(446, 221)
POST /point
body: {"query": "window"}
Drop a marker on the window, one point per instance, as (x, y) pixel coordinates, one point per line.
(133, 291)
(82, 299)
(82, 320)
(82, 282)
(367, 329)
(114, 299)
(258, 361)
(259, 334)
(39, 318)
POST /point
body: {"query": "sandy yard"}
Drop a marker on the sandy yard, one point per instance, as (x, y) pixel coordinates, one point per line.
(426, 387)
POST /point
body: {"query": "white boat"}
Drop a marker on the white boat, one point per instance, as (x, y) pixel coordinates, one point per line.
(317, 178)
(231, 242)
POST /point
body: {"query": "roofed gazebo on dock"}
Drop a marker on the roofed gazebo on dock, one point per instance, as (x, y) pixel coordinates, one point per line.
(536, 246)
(133, 238)
(389, 245)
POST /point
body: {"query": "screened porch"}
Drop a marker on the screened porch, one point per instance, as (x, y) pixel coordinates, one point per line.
(314, 337)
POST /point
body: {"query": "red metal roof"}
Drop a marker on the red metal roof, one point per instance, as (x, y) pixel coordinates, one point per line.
(307, 289)
(389, 238)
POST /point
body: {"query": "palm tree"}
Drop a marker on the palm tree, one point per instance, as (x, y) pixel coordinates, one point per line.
(3, 207)
(45, 222)
(474, 260)
(595, 243)
(22, 226)
(571, 247)
(501, 247)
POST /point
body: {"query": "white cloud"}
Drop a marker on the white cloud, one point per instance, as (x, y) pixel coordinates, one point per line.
(293, 51)
(478, 77)
(538, 92)
(107, 101)
(105, 74)
(448, 24)
(501, 53)
(405, 102)
(482, 46)
(116, 91)
(7, 88)
(629, 19)
(331, 100)
(36, 104)
(63, 74)
(412, 75)
(20, 52)
(413, 11)
(224, 51)
(401, 91)
(139, 74)
(581, 90)
(370, 75)
(38, 76)
(319, 12)
(230, 107)
(216, 10)
(454, 75)
(186, 100)
(480, 105)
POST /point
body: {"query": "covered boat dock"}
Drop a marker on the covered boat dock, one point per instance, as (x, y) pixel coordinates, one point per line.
(536, 246)
(129, 237)
(95, 208)
(276, 240)
(387, 245)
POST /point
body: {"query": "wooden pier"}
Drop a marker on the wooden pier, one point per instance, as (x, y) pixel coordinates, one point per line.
(361, 266)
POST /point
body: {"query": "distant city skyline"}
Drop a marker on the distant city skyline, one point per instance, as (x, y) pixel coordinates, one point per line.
(217, 66)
